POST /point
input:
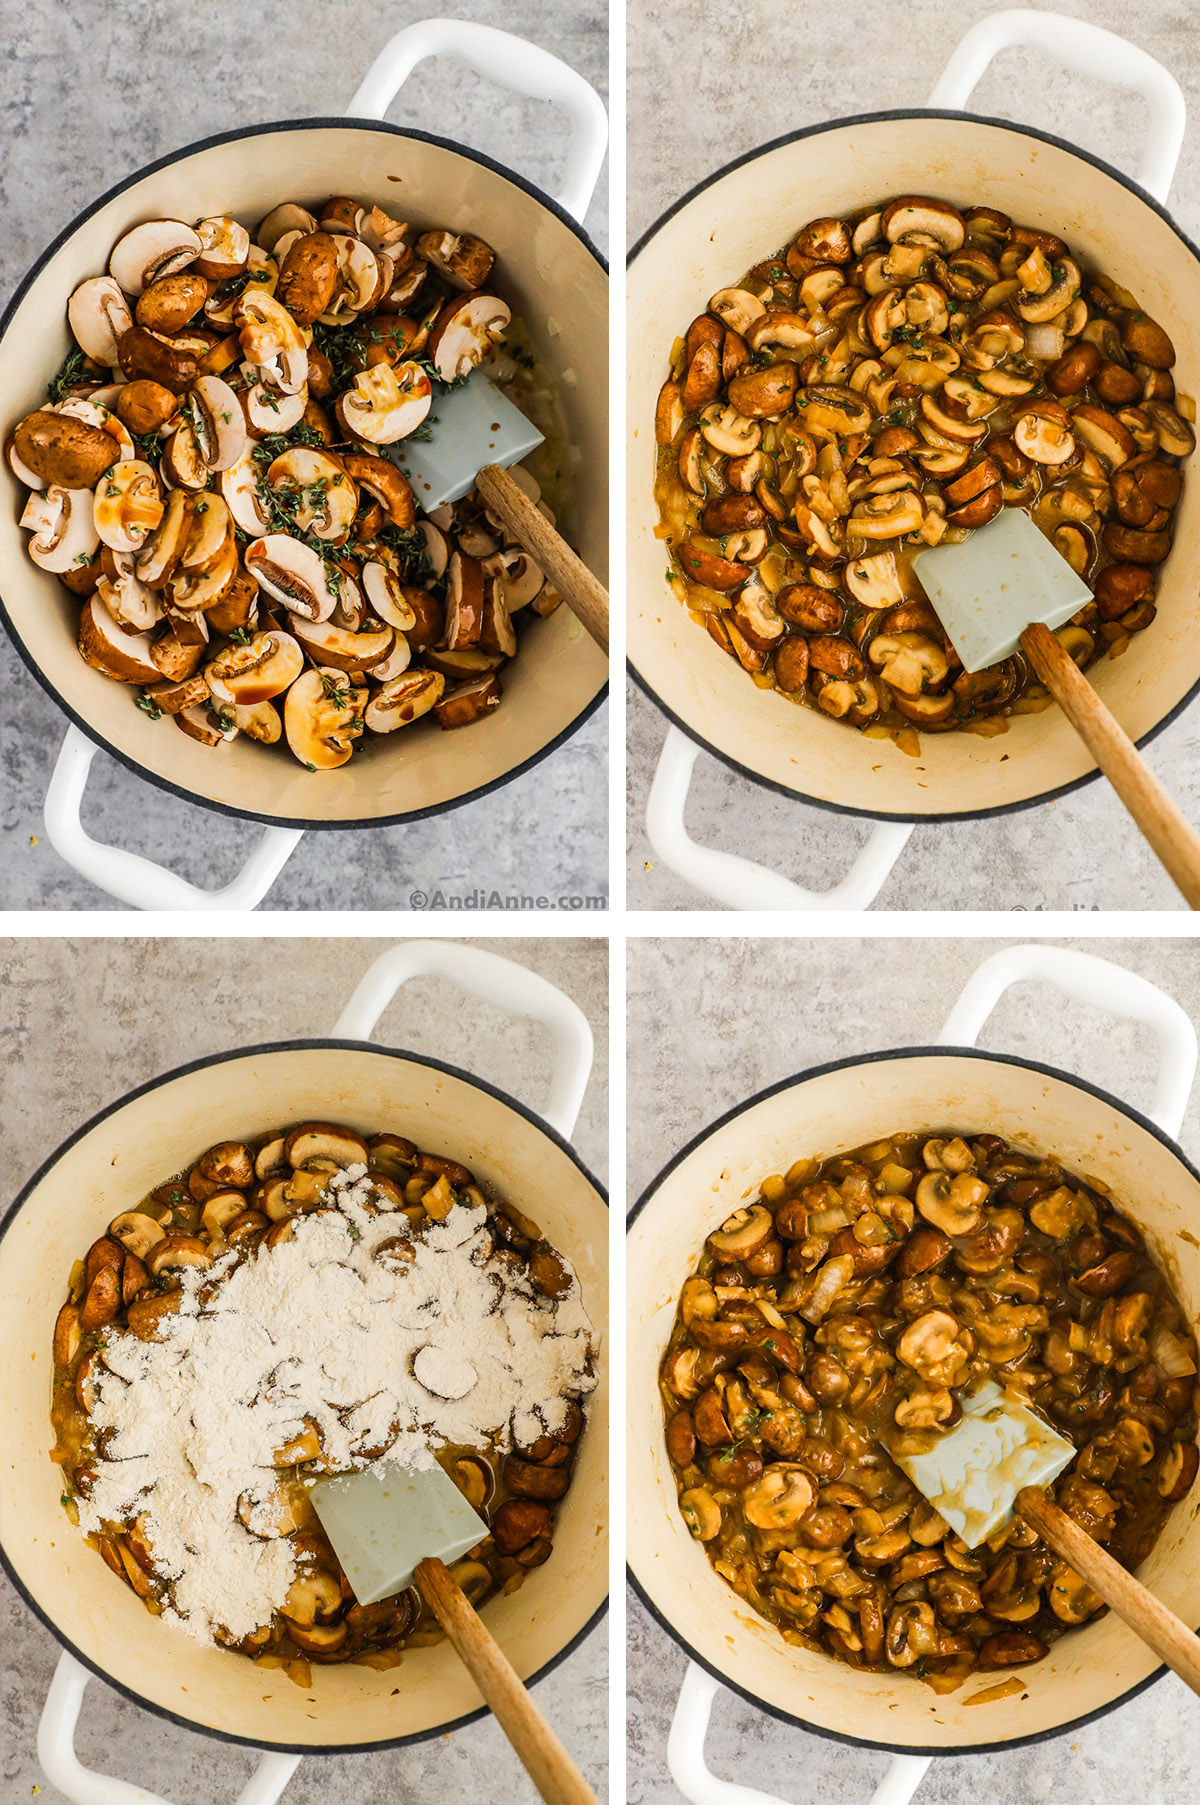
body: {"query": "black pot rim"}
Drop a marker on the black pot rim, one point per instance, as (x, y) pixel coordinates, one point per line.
(332, 1044)
(809, 131)
(318, 122)
(697, 1140)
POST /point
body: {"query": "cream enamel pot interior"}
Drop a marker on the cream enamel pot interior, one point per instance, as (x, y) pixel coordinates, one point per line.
(830, 1110)
(111, 1162)
(732, 221)
(552, 277)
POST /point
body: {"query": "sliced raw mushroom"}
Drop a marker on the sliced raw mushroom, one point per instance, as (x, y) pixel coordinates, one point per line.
(177, 1253)
(162, 552)
(98, 314)
(404, 700)
(217, 421)
(464, 260)
(464, 601)
(519, 576)
(325, 497)
(242, 676)
(172, 696)
(469, 702)
(63, 525)
(322, 718)
(130, 602)
(128, 505)
(465, 332)
(387, 594)
(157, 248)
(289, 216)
(205, 726)
(192, 592)
(224, 248)
(271, 340)
(113, 650)
(329, 645)
(292, 573)
(385, 405)
(239, 487)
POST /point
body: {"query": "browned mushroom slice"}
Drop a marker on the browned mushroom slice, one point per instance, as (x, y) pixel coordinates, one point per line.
(271, 1159)
(177, 1253)
(222, 1208)
(136, 1232)
(392, 1154)
(281, 1513)
(317, 1638)
(470, 702)
(146, 1315)
(301, 1447)
(67, 1335)
(330, 1142)
(916, 218)
(541, 1484)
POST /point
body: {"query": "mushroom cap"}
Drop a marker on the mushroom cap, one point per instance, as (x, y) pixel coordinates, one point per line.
(98, 314)
(292, 573)
(64, 450)
(289, 216)
(464, 333)
(309, 276)
(930, 219)
(157, 248)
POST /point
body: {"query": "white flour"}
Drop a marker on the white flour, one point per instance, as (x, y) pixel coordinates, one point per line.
(448, 1347)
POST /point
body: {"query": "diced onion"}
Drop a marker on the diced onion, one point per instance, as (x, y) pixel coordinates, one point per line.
(1172, 1354)
(1044, 339)
(831, 1278)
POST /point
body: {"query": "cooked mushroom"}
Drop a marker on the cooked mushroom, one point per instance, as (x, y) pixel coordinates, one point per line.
(150, 251)
(292, 573)
(465, 332)
(323, 718)
(99, 313)
(385, 405)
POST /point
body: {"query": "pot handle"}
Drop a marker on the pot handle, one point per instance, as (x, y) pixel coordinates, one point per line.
(1092, 51)
(501, 982)
(83, 1786)
(129, 877)
(513, 63)
(738, 883)
(1104, 985)
(691, 1774)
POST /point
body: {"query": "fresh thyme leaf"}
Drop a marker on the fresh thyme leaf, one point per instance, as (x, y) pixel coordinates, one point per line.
(150, 707)
(70, 372)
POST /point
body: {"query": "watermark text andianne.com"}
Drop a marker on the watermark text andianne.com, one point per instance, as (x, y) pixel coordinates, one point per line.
(500, 899)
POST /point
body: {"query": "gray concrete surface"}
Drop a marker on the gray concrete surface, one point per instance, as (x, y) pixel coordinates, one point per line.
(737, 76)
(62, 1061)
(88, 95)
(709, 1023)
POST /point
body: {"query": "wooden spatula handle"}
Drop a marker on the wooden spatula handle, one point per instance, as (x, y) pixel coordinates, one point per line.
(584, 595)
(1166, 829)
(1145, 1614)
(549, 1766)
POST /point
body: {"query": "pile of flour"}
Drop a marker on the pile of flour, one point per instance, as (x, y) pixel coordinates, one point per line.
(452, 1347)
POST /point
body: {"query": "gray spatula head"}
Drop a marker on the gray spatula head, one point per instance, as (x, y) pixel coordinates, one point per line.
(470, 426)
(385, 1519)
(986, 591)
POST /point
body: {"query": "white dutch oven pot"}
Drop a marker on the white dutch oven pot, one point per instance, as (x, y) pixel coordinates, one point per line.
(553, 278)
(724, 226)
(830, 1110)
(116, 1158)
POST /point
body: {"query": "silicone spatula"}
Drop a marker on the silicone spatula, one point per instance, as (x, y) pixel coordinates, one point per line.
(475, 436)
(994, 1465)
(1006, 588)
(391, 1528)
